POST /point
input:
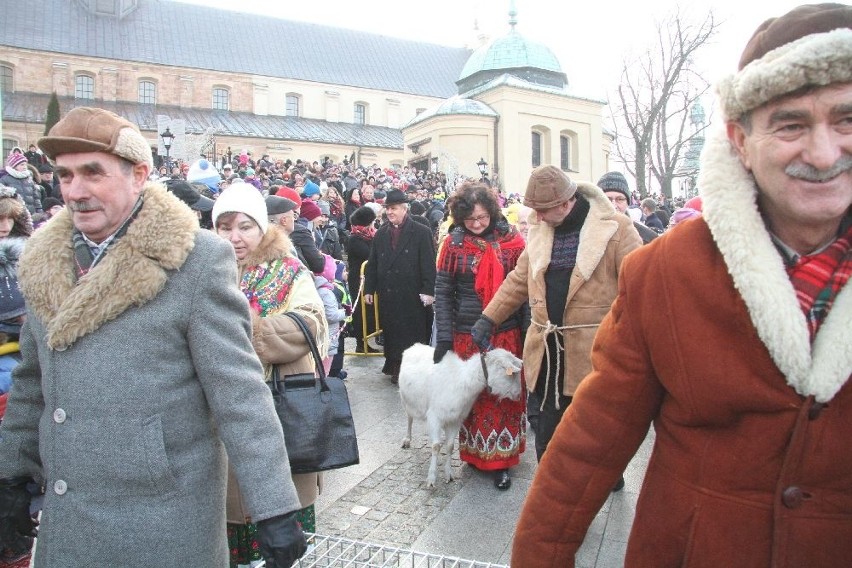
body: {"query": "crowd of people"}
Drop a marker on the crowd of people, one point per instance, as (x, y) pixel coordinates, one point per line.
(743, 369)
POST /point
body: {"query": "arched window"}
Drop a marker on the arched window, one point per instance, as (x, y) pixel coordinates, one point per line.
(221, 98)
(536, 149)
(568, 151)
(84, 87)
(293, 105)
(360, 113)
(7, 76)
(147, 92)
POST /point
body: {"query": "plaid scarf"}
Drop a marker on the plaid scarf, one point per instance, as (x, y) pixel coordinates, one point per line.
(818, 278)
(85, 258)
(365, 233)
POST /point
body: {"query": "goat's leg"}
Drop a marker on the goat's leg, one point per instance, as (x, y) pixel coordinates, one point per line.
(434, 428)
(406, 442)
(451, 434)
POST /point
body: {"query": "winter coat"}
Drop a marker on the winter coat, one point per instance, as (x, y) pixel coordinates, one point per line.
(334, 312)
(751, 464)
(26, 188)
(605, 239)
(278, 341)
(134, 382)
(457, 303)
(399, 277)
(306, 247)
(328, 242)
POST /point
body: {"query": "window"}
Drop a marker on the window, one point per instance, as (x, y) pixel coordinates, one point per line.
(6, 80)
(536, 149)
(360, 113)
(292, 105)
(565, 153)
(8, 144)
(84, 87)
(147, 93)
(221, 98)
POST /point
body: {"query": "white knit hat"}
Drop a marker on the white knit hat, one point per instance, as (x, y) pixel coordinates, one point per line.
(241, 197)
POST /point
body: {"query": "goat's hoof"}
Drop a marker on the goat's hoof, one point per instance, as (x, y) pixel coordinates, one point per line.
(406, 443)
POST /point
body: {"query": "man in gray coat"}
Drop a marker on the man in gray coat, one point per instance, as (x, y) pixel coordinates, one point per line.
(137, 375)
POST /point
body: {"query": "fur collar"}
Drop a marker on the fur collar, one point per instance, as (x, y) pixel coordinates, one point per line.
(158, 241)
(598, 229)
(274, 245)
(729, 196)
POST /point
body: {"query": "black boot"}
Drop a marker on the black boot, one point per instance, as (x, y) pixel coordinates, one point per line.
(619, 485)
(502, 480)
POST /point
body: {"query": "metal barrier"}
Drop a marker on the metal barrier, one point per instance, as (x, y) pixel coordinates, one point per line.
(338, 552)
(366, 335)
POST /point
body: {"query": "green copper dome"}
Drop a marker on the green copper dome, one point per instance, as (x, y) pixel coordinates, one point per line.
(511, 51)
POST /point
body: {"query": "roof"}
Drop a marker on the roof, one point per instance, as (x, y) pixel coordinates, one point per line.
(508, 80)
(165, 32)
(454, 106)
(512, 51)
(32, 108)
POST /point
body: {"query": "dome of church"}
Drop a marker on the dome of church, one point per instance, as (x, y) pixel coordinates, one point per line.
(512, 51)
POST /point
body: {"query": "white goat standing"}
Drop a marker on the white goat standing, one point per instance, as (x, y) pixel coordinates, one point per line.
(443, 394)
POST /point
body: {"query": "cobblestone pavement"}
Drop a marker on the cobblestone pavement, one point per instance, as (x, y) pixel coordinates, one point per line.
(385, 500)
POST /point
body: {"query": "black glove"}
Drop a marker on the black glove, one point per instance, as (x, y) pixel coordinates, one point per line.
(15, 518)
(481, 332)
(441, 349)
(282, 541)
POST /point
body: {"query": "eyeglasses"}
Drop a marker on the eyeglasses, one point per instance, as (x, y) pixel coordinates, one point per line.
(619, 199)
(484, 219)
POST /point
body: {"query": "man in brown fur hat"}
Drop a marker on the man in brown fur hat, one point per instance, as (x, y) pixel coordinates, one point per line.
(138, 373)
(744, 368)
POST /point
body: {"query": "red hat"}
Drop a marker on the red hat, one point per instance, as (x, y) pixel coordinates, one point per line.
(694, 203)
(290, 194)
(309, 210)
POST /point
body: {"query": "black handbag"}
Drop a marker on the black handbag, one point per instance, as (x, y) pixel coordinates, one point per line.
(315, 414)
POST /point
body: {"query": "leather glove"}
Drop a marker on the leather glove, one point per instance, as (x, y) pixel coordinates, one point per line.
(281, 540)
(482, 331)
(15, 518)
(441, 349)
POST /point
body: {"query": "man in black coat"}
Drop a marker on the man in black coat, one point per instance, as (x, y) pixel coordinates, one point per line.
(401, 271)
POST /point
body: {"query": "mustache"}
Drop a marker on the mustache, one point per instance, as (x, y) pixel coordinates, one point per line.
(81, 206)
(810, 173)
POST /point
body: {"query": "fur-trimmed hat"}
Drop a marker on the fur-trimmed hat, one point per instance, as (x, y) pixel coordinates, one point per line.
(614, 181)
(548, 187)
(87, 129)
(362, 217)
(242, 197)
(809, 46)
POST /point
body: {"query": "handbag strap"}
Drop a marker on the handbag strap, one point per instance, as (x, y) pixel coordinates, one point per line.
(312, 344)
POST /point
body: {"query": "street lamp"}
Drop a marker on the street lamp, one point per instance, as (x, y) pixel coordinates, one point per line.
(167, 137)
(483, 166)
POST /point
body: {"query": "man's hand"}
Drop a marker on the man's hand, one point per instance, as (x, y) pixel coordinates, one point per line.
(281, 540)
(368, 298)
(482, 331)
(15, 519)
(441, 349)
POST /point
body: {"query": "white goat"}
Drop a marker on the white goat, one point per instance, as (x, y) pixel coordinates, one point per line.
(443, 394)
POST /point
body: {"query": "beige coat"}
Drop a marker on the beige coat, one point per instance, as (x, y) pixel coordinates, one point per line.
(605, 239)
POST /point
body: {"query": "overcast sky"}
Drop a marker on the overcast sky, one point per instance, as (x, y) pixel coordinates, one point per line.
(611, 29)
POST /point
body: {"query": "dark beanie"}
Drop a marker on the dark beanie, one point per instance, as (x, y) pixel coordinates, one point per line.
(614, 181)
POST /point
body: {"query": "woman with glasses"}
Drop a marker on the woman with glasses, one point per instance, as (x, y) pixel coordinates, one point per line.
(478, 252)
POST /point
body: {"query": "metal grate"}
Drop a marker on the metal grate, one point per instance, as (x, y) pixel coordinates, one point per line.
(338, 552)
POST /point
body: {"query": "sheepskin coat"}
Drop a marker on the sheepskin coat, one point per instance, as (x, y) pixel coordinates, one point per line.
(134, 381)
(751, 466)
(605, 239)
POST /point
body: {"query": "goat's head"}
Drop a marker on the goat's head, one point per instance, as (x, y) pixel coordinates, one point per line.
(504, 374)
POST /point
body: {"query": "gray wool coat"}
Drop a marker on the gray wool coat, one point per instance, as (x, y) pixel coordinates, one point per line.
(134, 382)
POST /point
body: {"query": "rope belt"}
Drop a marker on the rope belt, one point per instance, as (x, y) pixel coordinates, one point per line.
(548, 329)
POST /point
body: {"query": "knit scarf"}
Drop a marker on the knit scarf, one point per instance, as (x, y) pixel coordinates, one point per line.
(267, 285)
(367, 233)
(23, 174)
